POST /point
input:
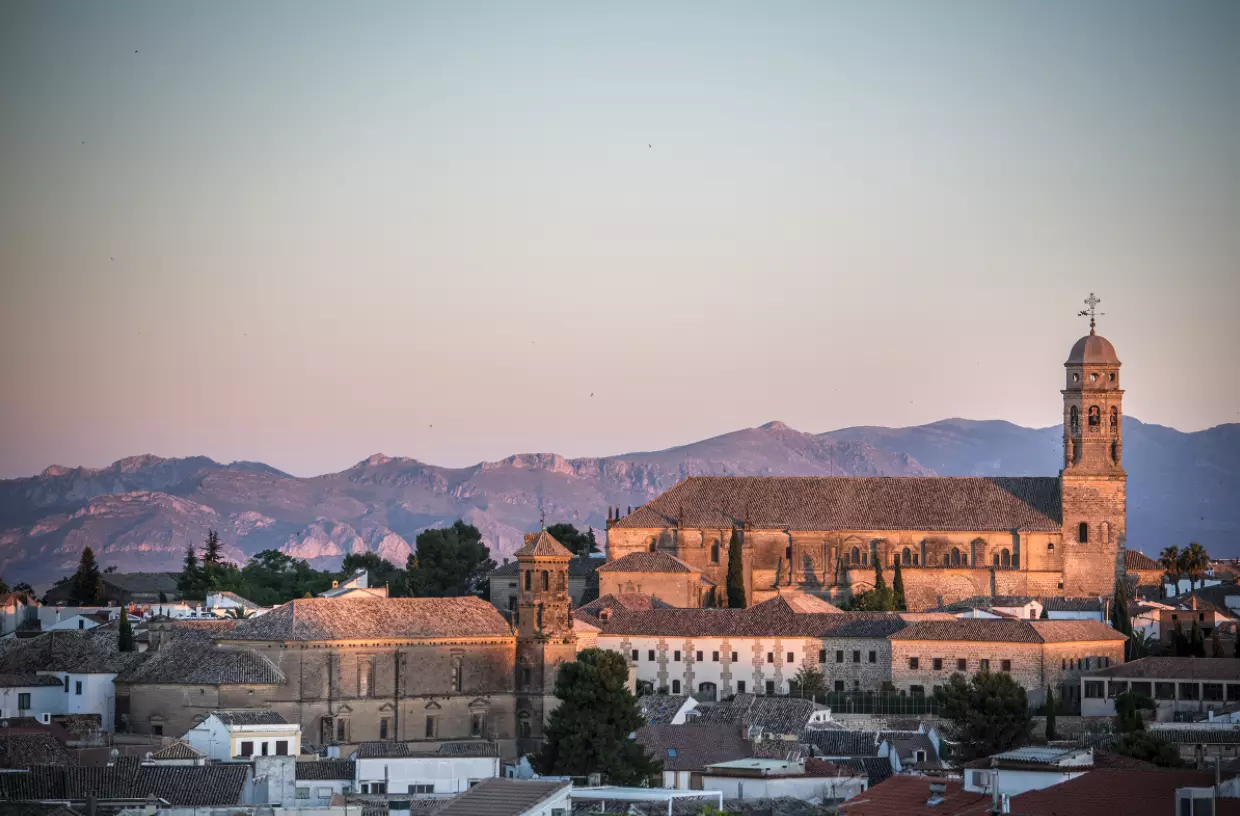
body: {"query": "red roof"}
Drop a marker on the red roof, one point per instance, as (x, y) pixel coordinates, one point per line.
(902, 795)
(1132, 793)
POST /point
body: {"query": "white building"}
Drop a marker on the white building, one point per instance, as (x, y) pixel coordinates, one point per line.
(397, 767)
(319, 780)
(224, 604)
(31, 695)
(16, 609)
(356, 586)
(80, 622)
(757, 778)
(1033, 767)
(233, 735)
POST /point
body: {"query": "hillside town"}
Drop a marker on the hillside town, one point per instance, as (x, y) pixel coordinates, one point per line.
(768, 645)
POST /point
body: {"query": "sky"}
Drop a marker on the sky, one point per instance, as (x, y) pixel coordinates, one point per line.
(305, 232)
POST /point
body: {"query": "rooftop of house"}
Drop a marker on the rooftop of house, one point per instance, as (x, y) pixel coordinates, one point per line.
(178, 750)
(202, 664)
(73, 651)
(1132, 793)
(1198, 733)
(250, 717)
(502, 797)
(1134, 560)
(693, 746)
(624, 601)
(659, 709)
(902, 795)
(771, 715)
(366, 618)
(1009, 631)
(245, 603)
(875, 769)
(327, 769)
(855, 503)
(648, 562)
(1209, 599)
(1172, 668)
(179, 785)
(27, 680)
(22, 750)
(148, 582)
(542, 545)
(460, 749)
(779, 616)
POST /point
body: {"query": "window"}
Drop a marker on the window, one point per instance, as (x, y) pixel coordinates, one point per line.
(475, 725)
(342, 730)
(770, 686)
(770, 657)
(873, 656)
(523, 726)
(791, 657)
(1114, 421)
(714, 553)
(955, 557)
(23, 701)
(917, 691)
(839, 686)
(157, 729)
(546, 580)
(856, 655)
(907, 557)
(374, 787)
(77, 687)
(81, 624)
(714, 656)
(983, 665)
(839, 655)
(456, 672)
(734, 657)
(1094, 689)
(1005, 558)
(912, 663)
(1164, 691)
(676, 655)
(822, 655)
(266, 747)
(675, 687)
(281, 747)
(1005, 666)
(698, 657)
(383, 727)
(856, 555)
(303, 793)
(1095, 415)
(634, 655)
(365, 677)
(1050, 546)
(66, 684)
(1082, 533)
(527, 675)
(980, 779)
(432, 726)
(247, 749)
(938, 664)
(422, 788)
(962, 664)
(528, 573)
(1074, 415)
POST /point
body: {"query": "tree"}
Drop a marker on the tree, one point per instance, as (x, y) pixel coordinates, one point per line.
(1196, 642)
(124, 639)
(163, 599)
(4, 588)
(87, 584)
(589, 730)
(1169, 560)
(1194, 562)
(24, 588)
(212, 561)
(190, 582)
(880, 583)
(736, 571)
(239, 613)
(1179, 643)
(897, 587)
(1121, 622)
(1147, 747)
(1216, 645)
(809, 682)
(989, 712)
(450, 562)
(1046, 615)
(1128, 708)
(577, 542)
(1050, 715)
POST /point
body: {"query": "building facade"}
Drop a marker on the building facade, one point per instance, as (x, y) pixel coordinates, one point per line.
(954, 537)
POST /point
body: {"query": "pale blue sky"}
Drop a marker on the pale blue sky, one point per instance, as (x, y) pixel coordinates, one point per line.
(305, 232)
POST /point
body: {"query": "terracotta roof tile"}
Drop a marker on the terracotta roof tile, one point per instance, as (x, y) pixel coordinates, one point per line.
(778, 616)
(847, 503)
(1009, 631)
(1134, 560)
(178, 750)
(782, 716)
(693, 746)
(634, 601)
(903, 795)
(84, 652)
(1132, 793)
(250, 717)
(194, 664)
(1174, 668)
(659, 709)
(181, 786)
(367, 617)
(543, 545)
(647, 562)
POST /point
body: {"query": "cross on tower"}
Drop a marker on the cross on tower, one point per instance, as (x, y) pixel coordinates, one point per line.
(1092, 302)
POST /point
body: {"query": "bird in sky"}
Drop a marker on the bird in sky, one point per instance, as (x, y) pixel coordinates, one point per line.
(591, 393)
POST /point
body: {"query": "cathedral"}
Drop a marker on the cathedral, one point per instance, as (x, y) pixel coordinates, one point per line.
(954, 538)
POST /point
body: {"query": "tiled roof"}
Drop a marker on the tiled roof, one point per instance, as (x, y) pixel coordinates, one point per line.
(81, 652)
(27, 679)
(178, 750)
(693, 746)
(152, 582)
(847, 503)
(618, 602)
(659, 709)
(1052, 604)
(579, 566)
(1132, 793)
(772, 715)
(1206, 735)
(543, 545)
(181, 785)
(327, 769)
(840, 742)
(876, 769)
(203, 664)
(1174, 668)
(502, 797)
(1009, 631)
(902, 795)
(199, 631)
(255, 717)
(237, 599)
(776, 617)
(26, 749)
(365, 617)
(647, 562)
(1134, 560)
(463, 748)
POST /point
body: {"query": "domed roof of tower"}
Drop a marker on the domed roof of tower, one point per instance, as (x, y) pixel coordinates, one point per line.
(543, 544)
(1093, 349)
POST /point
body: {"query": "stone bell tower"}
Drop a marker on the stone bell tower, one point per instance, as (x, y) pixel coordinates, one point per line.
(545, 636)
(1093, 481)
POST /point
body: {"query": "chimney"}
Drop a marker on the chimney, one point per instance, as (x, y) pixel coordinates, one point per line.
(335, 584)
(604, 615)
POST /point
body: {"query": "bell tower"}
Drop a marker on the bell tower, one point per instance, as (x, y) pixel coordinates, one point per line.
(545, 637)
(1093, 481)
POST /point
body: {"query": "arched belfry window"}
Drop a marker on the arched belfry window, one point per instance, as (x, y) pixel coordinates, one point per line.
(1095, 416)
(1074, 418)
(955, 557)
(1114, 417)
(1082, 533)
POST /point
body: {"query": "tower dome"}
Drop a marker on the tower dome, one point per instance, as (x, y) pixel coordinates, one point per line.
(1093, 349)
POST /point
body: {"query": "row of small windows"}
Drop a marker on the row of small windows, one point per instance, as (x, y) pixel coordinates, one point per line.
(955, 558)
(1084, 663)
(545, 580)
(962, 664)
(1093, 378)
(1095, 417)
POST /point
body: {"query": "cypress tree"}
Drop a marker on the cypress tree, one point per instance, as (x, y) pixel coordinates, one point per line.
(191, 576)
(124, 641)
(1045, 615)
(1216, 645)
(880, 583)
(1050, 715)
(897, 586)
(1120, 621)
(736, 572)
(1196, 642)
(87, 585)
(211, 559)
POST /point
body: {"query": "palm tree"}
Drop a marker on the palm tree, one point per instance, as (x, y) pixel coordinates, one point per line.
(1170, 562)
(1195, 563)
(239, 613)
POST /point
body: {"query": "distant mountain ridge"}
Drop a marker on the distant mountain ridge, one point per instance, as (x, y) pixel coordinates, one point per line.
(141, 512)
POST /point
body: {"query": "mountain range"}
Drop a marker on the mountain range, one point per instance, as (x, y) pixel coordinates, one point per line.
(142, 512)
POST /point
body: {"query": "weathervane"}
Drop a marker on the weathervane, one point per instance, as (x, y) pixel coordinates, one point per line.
(1092, 312)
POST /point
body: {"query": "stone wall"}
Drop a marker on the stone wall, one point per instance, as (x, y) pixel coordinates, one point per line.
(1100, 502)
(1026, 663)
(177, 708)
(682, 589)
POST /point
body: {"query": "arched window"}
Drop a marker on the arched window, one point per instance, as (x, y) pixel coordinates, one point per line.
(1050, 546)
(456, 673)
(1095, 416)
(1082, 532)
(1105, 528)
(865, 559)
(654, 545)
(523, 725)
(561, 580)
(546, 580)
(915, 559)
(908, 556)
(1114, 417)
(996, 559)
(1005, 558)
(714, 553)
(955, 557)
(1074, 418)
(528, 573)
(788, 553)
(856, 555)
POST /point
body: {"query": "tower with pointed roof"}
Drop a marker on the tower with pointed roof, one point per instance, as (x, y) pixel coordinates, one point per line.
(545, 636)
(1093, 482)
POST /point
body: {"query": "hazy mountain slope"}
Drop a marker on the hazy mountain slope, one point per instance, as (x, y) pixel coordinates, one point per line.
(143, 511)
